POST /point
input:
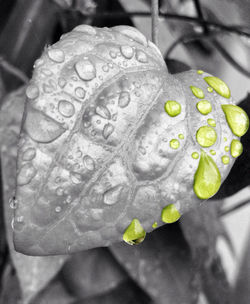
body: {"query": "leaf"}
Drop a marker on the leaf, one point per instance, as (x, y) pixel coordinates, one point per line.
(92, 272)
(201, 228)
(34, 273)
(242, 292)
(239, 177)
(126, 293)
(102, 146)
(161, 265)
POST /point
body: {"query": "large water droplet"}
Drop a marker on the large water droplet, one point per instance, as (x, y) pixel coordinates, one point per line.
(111, 196)
(218, 85)
(66, 108)
(204, 107)
(32, 91)
(103, 112)
(170, 214)
(26, 174)
(141, 56)
(134, 234)
(42, 128)
(174, 143)
(89, 162)
(124, 99)
(236, 148)
(206, 136)
(80, 92)
(107, 130)
(127, 51)
(85, 70)
(207, 179)
(237, 119)
(56, 55)
(197, 92)
(29, 154)
(173, 108)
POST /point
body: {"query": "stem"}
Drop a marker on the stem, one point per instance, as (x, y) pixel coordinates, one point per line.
(155, 20)
(13, 70)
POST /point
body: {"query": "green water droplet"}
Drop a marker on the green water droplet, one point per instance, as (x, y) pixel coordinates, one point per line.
(170, 214)
(211, 122)
(225, 139)
(218, 85)
(225, 159)
(174, 143)
(155, 225)
(210, 90)
(204, 107)
(197, 92)
(206, 136)
(226, 148)
(173, 108)
(212, 152)
(237, 119)
(200, 72)
(236, 148)
(195, 155)
(134, 234)
(181, 136)
(207, 179)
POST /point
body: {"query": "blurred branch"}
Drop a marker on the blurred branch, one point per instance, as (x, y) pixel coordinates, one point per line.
(233, 208)
(155, 20)
(13, 70)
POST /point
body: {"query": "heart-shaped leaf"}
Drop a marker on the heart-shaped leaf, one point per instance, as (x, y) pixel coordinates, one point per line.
(112, 145)
(33, 273)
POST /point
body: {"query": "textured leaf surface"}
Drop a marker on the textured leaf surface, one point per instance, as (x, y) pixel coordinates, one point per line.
(101, 141)
(33, 273)
(92, 272)
(162, 266)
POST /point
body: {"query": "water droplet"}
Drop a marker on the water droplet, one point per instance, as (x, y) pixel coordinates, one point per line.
(13, 203)
(181, 136)
(47, 88)
(237, 119)
(124, 99)
(127, 51)
(56, 55)
(195, 155)
(197, 92)
(204, 107)
(107, 130)
(103, 112)
(89, 162)
(174, 143)
(200, 72)
(225, 159)
(141, 56)
(20, 219)
(211, 122)
(62, 82)
(87, 124)
(173, 108)
(58, 209)
(87, 29)
(134, 233)
(114, 117)
(85, 70)
(226, 148)
(105, 68)
(210, 90)
(32, 91)
(170, 214)
(155, 225)
(142, 150)
(206, 136)
(58, 179)
(29, 154)
(66, 108)
(236, 148)
(111, 196)
(218, 85)
(225, 139)
(80, 92)
(68, 199)
(207, 179)
(59, 191)
(76, 178)
(113, 54)
(212, 152)
(26, 174)
(46, 72)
